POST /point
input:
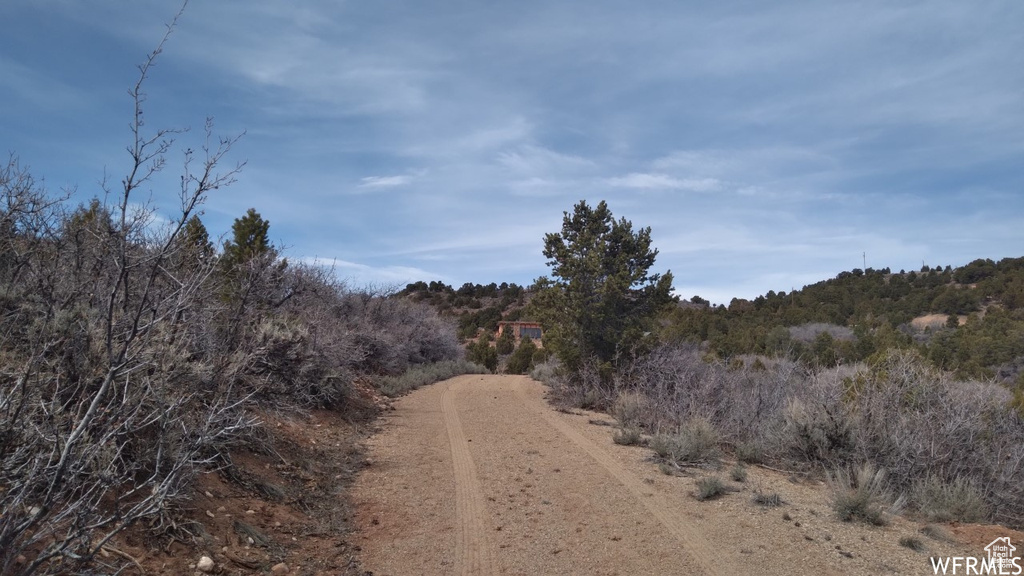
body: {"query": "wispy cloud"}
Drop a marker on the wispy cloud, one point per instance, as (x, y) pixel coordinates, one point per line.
(645, 181)
(359, 274)
(384, 181)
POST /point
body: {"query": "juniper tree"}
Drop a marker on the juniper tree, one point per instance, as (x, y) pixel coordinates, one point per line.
(601, 299)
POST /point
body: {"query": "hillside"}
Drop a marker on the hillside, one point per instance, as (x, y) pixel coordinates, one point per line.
(856, 314)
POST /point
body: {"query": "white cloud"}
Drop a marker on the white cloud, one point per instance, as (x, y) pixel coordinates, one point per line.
(384, 181)
(647, 181)
(359, 274)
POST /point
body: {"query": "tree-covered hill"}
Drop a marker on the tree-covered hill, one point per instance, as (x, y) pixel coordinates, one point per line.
(861, 312)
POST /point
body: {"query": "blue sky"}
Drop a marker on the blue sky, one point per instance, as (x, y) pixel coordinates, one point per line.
(767, 144)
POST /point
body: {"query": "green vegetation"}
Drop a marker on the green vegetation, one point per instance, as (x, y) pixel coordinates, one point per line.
(521, 361)
(506, 343)
(481, 352)
(418, 376)
(601, 298)
(857, 314)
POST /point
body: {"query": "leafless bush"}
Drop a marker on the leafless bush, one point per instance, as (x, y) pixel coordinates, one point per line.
(743, 404)
(918, 422)
(816, 430)
(105, 419)
(895, 411)
(632, 409)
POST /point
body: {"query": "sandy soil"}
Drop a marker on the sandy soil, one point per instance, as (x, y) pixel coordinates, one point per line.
(479, 475)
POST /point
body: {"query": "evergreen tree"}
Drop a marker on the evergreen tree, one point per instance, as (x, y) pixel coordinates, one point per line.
(602, 298)
(195, 243)
(249, 239)
(506, 342)
(521, 360)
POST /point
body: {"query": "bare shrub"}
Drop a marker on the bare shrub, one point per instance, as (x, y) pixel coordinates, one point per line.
(817, 431)
(893, 410)
(862, 494)
(744, 404)
(918, 422)
(749, 452)
(632, 409)
(106, 418)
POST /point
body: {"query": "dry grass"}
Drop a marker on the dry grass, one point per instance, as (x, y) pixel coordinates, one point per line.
(696, 442)
(628, 436)
(939, 501)
(709, 487)
(862, 495)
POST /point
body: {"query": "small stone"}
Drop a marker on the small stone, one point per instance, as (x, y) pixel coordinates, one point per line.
(250, 540)
(222, 509)
(250, 512)
(280, 568)
(20, 559)
(210, 514)
(208, 495)
(205, 564)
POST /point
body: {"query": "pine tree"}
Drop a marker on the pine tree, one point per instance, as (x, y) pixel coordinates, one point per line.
(601, 300)
(249, 239)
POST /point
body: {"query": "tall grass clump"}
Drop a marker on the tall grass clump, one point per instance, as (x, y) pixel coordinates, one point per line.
(709, 487)
(939, 501)
(695, 442)
(627, 436)
(632, 409)
(862, 494)
(426, 374)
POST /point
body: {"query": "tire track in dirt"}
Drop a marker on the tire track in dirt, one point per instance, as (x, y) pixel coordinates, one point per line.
(472, 548)
(691, 541)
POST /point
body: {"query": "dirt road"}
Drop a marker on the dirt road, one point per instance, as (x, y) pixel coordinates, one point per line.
(479, 475)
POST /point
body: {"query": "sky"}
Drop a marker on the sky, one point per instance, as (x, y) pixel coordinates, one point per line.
(768, 145)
